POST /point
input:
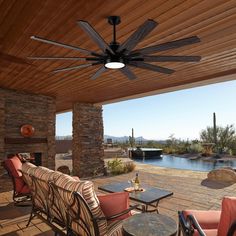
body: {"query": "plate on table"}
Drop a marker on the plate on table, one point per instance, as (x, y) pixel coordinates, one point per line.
(131, 189)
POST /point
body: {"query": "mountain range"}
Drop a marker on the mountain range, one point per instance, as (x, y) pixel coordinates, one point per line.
(115, 139)
(123, 139)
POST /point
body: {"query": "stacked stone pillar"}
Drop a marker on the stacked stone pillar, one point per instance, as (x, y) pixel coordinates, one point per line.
(51, 125)
(2, 130)
(87, 140)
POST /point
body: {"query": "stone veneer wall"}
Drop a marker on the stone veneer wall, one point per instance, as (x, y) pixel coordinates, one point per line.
(17, 109)
(87, 140)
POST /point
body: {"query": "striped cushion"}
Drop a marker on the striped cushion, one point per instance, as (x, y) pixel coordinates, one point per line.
(62, 200)
(83, 225)
(46, 174)
(115, 228)
(86, 189)
(27, 170)
(42, 176)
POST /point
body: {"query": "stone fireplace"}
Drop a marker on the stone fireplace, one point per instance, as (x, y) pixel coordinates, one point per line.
(17, 109)
(35, 158)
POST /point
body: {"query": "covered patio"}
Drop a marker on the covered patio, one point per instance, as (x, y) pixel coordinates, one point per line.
(30, 94)
(191, 191)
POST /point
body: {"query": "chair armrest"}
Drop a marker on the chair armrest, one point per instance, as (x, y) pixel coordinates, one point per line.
(232, 229)
(195, 224)
(119, 214)
(184, 225)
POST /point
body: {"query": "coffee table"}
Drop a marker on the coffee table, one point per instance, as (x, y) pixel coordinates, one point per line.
(149, 224)
(150, 197)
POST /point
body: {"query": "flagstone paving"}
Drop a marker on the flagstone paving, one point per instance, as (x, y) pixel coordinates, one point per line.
(191, 190)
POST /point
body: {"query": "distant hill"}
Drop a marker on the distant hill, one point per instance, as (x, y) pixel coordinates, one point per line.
(115, 139)
(123, 139)
(67, 137)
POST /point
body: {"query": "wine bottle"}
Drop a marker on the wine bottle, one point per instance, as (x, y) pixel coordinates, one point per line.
(136, 183)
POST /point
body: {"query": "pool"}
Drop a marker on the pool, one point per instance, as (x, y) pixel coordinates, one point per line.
(186, 164)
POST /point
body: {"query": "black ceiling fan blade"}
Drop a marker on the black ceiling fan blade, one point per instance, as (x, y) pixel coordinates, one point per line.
(68, 58)
(138, 35)
(43, 40)
(171, 58)
(71, 68)
(58, 58)
(169, 45)
(96, 37)
(147, 66)
(127, 72)
(98, 72)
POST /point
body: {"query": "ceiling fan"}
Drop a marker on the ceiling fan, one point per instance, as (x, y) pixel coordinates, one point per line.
(121, 56)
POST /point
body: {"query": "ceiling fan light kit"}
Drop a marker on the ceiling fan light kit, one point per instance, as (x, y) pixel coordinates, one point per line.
(121, 56)
(114, 64)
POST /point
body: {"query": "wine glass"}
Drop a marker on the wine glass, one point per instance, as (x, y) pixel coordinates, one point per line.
(131, 183)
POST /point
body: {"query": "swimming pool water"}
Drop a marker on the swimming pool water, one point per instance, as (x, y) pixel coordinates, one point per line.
(186, 164)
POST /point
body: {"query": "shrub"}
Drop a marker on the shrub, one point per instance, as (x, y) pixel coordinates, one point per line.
(233, 152)
(129, 167)
(195, 148)
(168, 150)
(116, 167)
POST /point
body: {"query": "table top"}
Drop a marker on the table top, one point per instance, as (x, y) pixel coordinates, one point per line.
(151, 224)
(150, 195)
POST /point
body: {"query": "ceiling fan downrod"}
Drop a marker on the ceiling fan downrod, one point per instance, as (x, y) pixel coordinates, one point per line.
(114, 20)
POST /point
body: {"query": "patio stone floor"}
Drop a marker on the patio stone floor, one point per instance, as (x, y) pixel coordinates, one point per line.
(191, 191)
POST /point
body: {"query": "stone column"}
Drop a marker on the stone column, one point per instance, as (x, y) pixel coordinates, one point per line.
(2, 129)
(51, 123)
(87, 149)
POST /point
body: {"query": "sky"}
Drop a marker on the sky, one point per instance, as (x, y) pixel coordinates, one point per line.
(182, 113)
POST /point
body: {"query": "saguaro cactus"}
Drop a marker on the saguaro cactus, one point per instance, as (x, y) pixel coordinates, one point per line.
(132, 139)
(214, 130)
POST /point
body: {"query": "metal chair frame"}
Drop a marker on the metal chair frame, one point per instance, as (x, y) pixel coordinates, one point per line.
(58, 214)
(188, 224)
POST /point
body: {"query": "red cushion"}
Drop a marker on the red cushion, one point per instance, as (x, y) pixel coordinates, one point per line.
(208, 232)
(114, 203)
(25, 189)
(228, 215)
(19, 184)
(206, 219)
(13, 165)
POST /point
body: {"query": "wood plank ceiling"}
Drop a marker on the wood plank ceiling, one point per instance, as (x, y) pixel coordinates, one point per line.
(213, 21)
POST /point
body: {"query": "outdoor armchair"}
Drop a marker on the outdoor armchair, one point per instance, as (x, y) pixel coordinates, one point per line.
(21, 191)
(210, 223)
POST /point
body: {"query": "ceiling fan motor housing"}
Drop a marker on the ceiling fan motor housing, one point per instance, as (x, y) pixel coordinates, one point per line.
(117, 57)
(114, 20)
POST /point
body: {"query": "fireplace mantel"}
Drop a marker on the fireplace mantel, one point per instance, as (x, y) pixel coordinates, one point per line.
(25, 140)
